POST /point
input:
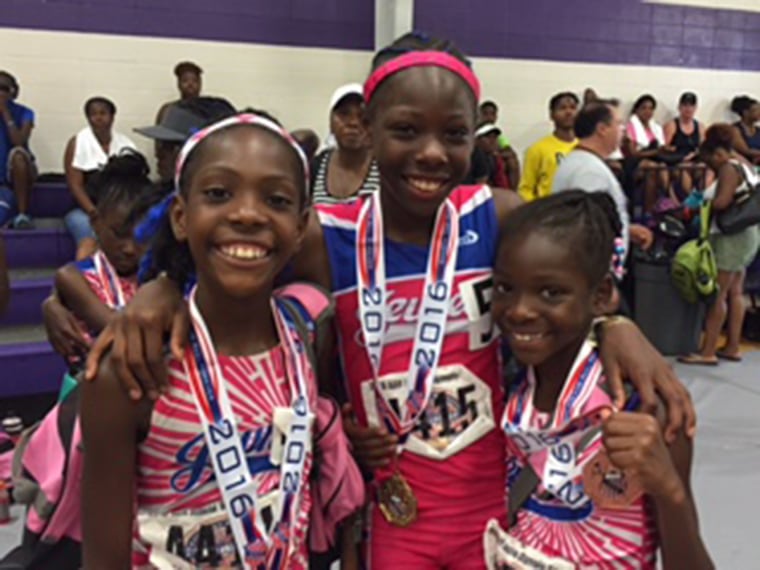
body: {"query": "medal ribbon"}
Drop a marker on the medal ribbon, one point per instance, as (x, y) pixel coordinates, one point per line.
(109, 281)
(431, 324)
(577, 415)
(228, 459)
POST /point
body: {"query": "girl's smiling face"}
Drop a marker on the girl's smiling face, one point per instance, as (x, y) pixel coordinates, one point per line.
(543, 301)
(421, 123)
(241, 210)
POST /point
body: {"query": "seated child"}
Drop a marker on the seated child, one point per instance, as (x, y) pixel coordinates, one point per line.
(589, 486)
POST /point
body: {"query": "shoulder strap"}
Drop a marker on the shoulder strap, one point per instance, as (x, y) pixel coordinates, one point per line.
(704, 219)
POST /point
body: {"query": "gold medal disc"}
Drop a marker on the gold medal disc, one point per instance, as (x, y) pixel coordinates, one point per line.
(397, 501)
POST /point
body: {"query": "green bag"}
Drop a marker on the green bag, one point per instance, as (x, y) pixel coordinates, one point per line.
(694, 272)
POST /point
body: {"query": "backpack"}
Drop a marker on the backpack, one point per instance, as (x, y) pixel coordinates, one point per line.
(693, 271)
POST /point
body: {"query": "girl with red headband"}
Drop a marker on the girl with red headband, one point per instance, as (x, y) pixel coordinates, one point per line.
(411, 269)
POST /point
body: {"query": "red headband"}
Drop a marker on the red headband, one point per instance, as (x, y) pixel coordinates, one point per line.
(418, 59)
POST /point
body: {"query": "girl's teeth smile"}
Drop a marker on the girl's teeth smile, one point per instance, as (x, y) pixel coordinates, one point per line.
(245, 252)
(527, 337)
(425, 185)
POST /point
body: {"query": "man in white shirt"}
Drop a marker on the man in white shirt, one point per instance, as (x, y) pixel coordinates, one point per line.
(599, 129)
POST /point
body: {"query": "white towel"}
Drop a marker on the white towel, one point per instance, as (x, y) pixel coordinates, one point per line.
(640, 136)
(89, 155)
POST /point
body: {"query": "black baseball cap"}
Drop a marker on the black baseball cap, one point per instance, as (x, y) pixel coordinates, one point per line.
(185, 118)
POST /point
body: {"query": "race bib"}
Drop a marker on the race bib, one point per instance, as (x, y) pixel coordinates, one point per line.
(457, 414)
(505, 552)
(476, 297)
(194, 540)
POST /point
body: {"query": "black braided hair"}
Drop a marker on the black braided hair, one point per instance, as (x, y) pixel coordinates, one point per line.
(416, 41)
(585, 222)
(741, 104)
(124, 181)
(166, 254)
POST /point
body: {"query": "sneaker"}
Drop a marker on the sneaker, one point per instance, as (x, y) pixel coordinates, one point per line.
(22, 222)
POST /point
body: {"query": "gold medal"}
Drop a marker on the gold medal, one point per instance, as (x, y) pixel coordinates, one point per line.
(397, 501)
(607, 486)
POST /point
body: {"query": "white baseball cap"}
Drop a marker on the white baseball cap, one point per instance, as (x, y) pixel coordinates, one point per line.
(348, 90)
(487, 129)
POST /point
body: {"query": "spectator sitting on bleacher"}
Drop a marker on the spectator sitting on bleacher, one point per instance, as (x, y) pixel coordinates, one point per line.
(684, 134)
(733, 252)
(645, 150)
(179, 123)
(598, 128)
(17, 165)
(747, 133)
(543, 158)
(181, 120)
(348, 169)
(86, 153)
(189, 84)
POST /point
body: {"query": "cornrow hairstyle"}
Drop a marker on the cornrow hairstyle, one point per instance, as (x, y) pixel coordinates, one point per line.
(587, 223)
(416, 41)
(124, 181)
(103, 101)
(166, 254)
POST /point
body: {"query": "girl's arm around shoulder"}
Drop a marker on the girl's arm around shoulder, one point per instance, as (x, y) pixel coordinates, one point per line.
(110, 423)
(75, 293)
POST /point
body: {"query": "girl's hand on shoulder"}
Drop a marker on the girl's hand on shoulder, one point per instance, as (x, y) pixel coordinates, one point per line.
(626, 353)
(135, 338)
(372, 447)
(635, 444)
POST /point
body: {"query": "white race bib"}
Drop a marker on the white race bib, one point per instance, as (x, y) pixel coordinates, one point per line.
(505, 552)
(458, 412)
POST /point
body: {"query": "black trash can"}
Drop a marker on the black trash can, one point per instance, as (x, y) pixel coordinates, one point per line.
(671, 324)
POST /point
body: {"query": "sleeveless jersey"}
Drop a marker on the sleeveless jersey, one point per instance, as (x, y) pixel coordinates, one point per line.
(180, 514)
(454, 458)
(87, 268)
(591, 537)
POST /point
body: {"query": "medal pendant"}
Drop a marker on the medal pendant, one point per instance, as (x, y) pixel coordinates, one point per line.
(397, 501)
(607, 486)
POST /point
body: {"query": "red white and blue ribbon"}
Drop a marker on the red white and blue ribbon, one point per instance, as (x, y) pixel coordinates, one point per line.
(431, 324)
(552, 451)
(238, 489)
(109, 281)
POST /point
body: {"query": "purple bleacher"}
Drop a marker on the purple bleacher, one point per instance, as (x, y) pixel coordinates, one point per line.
(29, 368)
(26, 297)
(50, 200)
(38, 248)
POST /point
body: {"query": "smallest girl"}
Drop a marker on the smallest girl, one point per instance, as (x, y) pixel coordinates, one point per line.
(217, 472)
(93, 288)
(588, 486)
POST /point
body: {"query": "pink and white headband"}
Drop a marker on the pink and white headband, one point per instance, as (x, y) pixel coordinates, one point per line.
(244, 119)
(421, 59)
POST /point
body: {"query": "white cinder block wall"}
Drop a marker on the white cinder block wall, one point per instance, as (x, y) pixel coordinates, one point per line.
(58, 71)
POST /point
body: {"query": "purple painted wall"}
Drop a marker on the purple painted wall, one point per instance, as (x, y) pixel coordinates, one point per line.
(346, 24)
(603, 31)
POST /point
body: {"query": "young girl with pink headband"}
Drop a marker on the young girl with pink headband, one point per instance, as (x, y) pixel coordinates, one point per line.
(411, 270)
